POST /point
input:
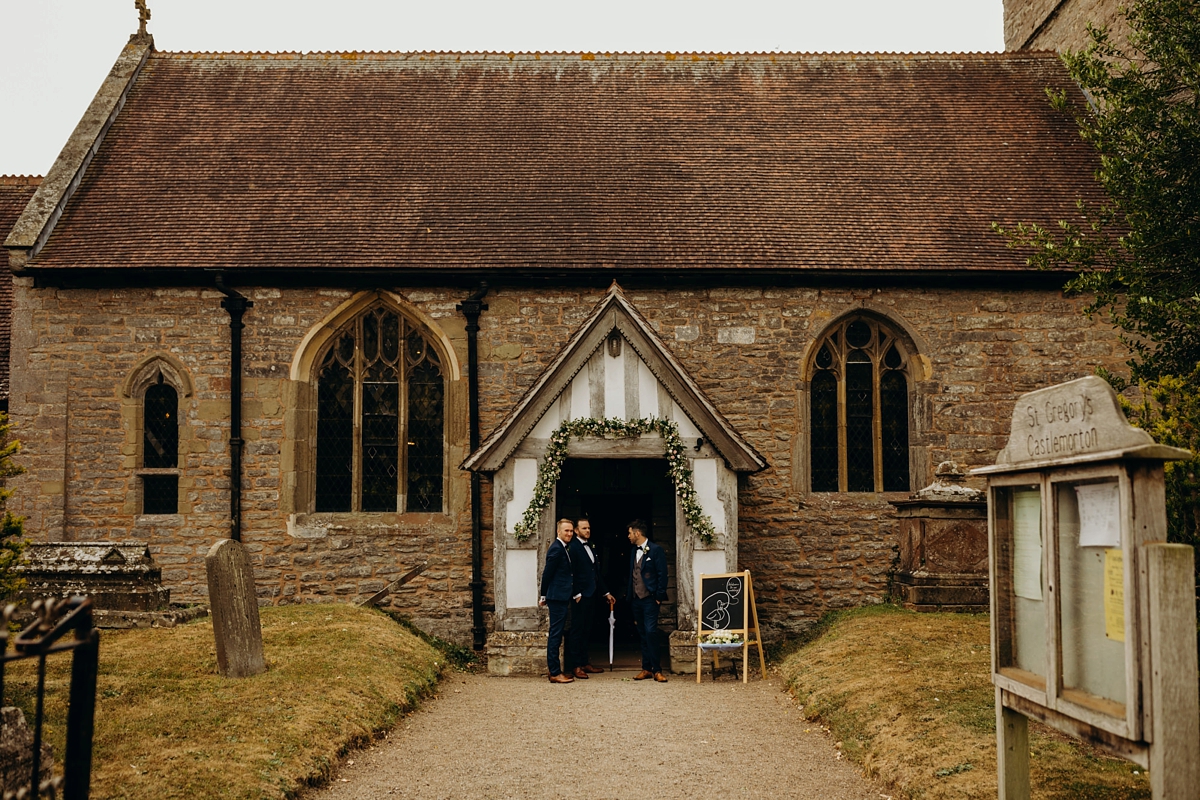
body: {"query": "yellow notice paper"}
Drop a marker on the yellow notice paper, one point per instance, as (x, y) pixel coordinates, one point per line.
(1114, 594)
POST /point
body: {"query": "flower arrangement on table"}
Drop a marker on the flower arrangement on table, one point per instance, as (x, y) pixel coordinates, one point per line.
(721, 639)
(550, 468)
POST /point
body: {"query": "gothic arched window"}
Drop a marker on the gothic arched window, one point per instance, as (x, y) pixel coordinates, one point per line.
(160, 448)
(380, 418)
(858, 402)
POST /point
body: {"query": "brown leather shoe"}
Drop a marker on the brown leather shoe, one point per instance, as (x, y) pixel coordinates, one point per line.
(641, 676)
(592, 670)
(560, 678)
(658, 676)
(579, 673)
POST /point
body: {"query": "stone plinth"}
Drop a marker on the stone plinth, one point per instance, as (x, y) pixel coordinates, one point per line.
(943, 546)
(516, 653)
(122, 620)
(118, 576)
(683, 651)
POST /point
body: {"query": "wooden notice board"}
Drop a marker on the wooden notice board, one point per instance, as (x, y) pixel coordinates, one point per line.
(727, 603)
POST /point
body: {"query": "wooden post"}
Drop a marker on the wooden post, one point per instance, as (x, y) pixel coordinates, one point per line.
(762, 659)
(1012, 752)
(1175, 715)
(746, 629)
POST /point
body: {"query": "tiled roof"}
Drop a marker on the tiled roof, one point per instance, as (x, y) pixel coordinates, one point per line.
(567, 161)
(15, 191)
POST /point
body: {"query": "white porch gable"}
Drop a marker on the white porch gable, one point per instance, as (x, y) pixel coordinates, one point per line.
(615, 366)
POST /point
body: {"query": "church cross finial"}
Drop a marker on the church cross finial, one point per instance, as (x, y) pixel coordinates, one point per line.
(142, 36)
(143, 16)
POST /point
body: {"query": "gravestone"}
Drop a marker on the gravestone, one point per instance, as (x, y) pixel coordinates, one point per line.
(234, 608)
(16, 752)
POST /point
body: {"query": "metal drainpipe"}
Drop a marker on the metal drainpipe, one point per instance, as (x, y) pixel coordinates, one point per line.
(236, 304)
(471, 308)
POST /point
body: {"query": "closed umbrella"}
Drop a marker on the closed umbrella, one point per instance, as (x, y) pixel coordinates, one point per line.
(612, 627)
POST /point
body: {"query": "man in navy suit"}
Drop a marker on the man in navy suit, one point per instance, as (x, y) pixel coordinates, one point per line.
(590, 585)
(647, 592)
(558, 590)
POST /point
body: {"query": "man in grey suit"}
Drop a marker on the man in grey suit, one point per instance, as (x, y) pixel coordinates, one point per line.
(647, 592)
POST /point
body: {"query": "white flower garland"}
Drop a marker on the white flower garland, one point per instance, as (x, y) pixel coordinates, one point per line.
(550, 468)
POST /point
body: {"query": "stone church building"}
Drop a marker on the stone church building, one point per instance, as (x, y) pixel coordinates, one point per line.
(338, 304)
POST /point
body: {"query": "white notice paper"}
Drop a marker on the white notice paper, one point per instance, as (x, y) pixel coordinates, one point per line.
(1099, 515)
(1027, 544)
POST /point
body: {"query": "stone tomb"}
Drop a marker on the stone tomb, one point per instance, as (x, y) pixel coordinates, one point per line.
(122, 578)
(943, 545)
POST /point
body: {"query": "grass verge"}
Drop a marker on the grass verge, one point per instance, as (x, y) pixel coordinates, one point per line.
(168, 727)
(910, 697)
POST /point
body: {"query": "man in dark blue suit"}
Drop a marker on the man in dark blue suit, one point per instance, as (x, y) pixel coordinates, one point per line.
(647, 592)
(558, 590)
(590, 585)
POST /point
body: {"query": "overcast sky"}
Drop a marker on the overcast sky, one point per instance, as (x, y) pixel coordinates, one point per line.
(55, 53)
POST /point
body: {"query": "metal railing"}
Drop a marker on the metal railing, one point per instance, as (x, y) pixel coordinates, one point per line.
(53, 619)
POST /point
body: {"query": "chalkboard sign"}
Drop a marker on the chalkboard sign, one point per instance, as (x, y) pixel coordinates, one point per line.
(726, 603)
(723, 602)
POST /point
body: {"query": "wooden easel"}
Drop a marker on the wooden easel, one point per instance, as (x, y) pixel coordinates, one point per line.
(749, 614)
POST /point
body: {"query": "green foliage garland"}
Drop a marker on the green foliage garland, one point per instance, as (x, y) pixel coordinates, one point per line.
(550, 468)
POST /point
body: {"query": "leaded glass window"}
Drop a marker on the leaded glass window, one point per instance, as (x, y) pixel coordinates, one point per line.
(160, 448)
(858, 410)
(380, 418)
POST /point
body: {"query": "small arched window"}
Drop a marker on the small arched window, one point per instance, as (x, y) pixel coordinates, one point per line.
(160, 448)
(858, 403)
(380, 418)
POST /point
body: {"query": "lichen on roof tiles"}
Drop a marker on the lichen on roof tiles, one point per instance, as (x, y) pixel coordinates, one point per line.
(539, 161)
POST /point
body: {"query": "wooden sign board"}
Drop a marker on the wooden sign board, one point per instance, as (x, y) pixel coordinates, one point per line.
(727, 604)
(1076, 523)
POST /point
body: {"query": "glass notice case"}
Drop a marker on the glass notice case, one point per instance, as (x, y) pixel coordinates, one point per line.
(1021, 584)
(1064, 637)
(1095, 631)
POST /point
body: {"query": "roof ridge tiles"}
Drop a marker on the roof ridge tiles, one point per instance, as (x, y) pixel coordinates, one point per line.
(20, 180)
(592, 54)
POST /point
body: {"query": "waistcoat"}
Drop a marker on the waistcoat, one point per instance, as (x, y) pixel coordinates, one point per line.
(639, 583)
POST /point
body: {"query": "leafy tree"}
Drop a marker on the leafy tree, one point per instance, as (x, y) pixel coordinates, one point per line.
(1138, 252)
(12, 532)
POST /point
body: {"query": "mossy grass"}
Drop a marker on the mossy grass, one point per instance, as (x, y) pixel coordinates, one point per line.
(457, 656)
(910, 697)
(167, 726)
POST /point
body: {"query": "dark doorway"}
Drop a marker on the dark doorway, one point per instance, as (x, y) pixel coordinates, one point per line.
(610, 493)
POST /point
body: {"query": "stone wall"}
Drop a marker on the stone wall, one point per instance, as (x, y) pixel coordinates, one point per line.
(814, 552)
(74, 349)
(1059, 24)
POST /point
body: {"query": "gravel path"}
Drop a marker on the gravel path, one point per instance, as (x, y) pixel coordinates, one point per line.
(484, 737)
